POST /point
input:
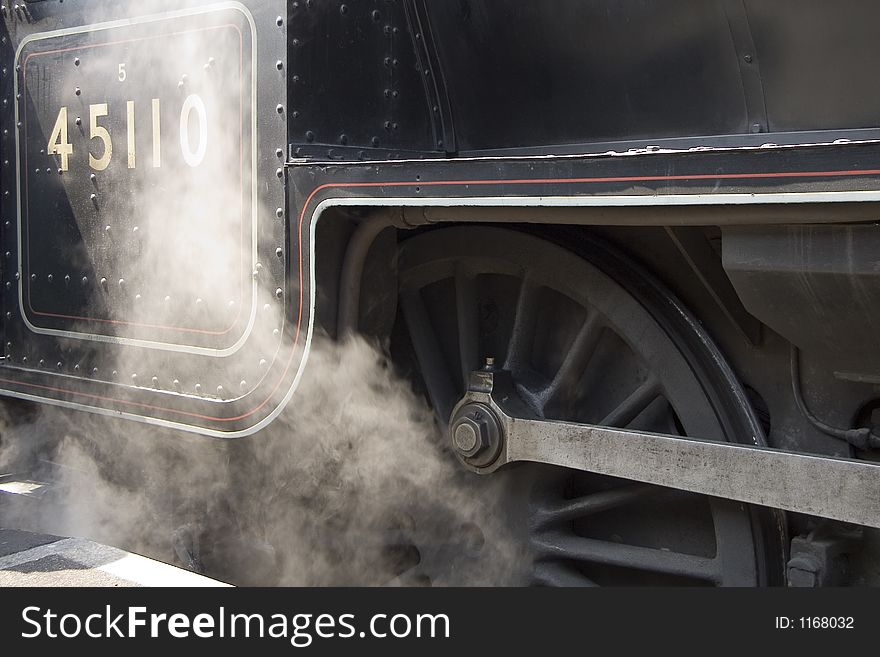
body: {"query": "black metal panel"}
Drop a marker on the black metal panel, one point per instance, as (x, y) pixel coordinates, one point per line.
(355, 80)
(530, 73)
(818, 62)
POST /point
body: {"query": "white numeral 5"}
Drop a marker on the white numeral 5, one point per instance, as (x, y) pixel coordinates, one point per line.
(99, 132)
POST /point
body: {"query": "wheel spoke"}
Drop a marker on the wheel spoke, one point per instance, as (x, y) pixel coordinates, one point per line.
(468, 322)
(557, 573)
(581, 507)
(523, 333)
(564, 546)
(436, 375)
(576, 359)
(629, 408)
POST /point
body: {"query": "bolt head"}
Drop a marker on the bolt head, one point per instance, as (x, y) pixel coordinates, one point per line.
(470, 435)
(465, 437)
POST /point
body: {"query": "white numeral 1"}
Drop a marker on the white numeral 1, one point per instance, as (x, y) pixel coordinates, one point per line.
(132, 156)
(157, 134)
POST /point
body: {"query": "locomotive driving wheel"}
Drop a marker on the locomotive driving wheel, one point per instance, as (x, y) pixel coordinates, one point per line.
(590, 339)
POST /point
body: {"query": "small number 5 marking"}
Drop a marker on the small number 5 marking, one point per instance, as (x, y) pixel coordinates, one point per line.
(122, 73)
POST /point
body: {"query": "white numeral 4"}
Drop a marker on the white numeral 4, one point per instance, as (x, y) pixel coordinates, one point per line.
(58, 142)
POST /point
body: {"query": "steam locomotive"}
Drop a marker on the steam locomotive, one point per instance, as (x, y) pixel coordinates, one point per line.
(628, 251)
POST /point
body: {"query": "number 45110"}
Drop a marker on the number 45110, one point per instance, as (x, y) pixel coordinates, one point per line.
(59, 143)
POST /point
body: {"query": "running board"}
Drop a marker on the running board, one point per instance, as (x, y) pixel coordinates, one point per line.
(492, 427)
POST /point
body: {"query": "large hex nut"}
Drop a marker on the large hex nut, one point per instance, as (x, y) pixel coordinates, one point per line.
(476, 434)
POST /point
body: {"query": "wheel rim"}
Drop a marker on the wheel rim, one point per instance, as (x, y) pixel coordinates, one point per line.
(581, 347)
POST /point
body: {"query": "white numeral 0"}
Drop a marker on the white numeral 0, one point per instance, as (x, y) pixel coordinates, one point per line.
(193, 102)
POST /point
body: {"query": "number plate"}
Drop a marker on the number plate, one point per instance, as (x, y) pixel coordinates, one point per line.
(135, 154)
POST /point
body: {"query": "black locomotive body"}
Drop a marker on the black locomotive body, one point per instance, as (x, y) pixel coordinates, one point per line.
(657, 217)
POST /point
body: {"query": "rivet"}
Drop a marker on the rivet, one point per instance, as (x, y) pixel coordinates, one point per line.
(76, 62)
(262, 362)
(59, 365)
(176, 384)
(243, 384)
(121, 282)
(134, 378)
(78, 121)
(198, 388)
(375, 142)
(85, 280)
(41, 363)
(155, 381)
(748, 59)
(343, 9)
(78, 91)
(280, 109)
(279, 293)
(94, 371)
(276, 332)
(76, 368)
(137, 297)
(220, 391)
(267, 307)
(167, 299)
(279, 212)
(67, 279)
(93, 178)
(104, 283)
(279, 65)
(279, 21)
(377, 15)
(33, 277)
(199, 301)
(279, 173)
(279, 252)
(310, 136)
(49, 277)
(279, 152)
